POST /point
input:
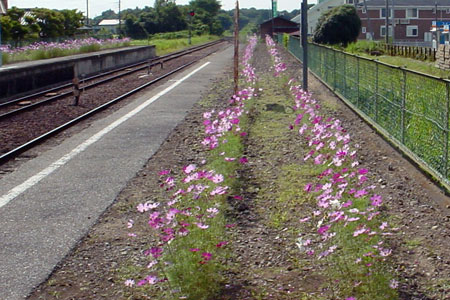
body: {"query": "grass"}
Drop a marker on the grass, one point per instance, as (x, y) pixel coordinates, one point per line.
(375, 50)
(164, 46)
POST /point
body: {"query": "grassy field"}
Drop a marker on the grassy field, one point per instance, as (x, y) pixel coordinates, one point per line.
(164, 46)
(364, 48)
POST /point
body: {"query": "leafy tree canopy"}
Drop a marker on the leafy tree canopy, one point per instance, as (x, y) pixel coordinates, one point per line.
(340, 25)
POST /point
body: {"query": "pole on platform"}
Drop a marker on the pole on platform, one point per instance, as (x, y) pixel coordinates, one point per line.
(1, 54)
(273, 23)
(304, 35)
(236, 48)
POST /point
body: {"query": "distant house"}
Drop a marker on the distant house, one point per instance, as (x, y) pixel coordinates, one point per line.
(3, 6)
(321, 7)
(280, 24)
(111, 25)
(413, 21)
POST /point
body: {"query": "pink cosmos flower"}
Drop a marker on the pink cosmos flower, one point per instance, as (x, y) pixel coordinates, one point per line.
(189, 169)
(220, 190)
(194, 249)
(218, 178)
(156, 252)
(360, 193)
(376, 200)
(152, 264)
(243, 160)
(206, 256)
(230, 225)
(164, 172)
(393, 284)
(201, 225)
(129, 282)
(305, 220)
(221, 244)
(130, 224)
(323, 229)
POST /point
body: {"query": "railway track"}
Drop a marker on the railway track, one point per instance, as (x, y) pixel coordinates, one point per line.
(27, 121)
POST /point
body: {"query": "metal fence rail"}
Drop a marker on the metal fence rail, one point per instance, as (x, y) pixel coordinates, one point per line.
(411, 108)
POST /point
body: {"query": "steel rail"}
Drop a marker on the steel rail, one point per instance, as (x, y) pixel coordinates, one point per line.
(15, 152)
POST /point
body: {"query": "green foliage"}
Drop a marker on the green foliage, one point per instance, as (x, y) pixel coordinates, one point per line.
(206, 12)
(364, 46)
(73, 20)
(50, 21)
(17, 27)
(165, 45)
(285, 40)
(340, 25)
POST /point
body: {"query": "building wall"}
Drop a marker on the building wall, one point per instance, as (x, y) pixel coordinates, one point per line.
(423, 22)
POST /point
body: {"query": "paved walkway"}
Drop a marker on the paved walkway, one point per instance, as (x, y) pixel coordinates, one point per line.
(50, 202)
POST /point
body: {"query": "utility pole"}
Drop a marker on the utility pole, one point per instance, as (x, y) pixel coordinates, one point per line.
(304, 33)
(3, 10)
(236, 48)
(87, 12)
(120, 23)
(387, 22)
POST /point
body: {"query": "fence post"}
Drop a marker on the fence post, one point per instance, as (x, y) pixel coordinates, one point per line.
(345, 75)
(357, 82)
(403, 107)
(447, 85)
(376, 92)
(335, 70)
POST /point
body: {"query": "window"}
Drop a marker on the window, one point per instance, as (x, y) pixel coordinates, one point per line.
(447, 10)
(364, 10)
(350, 1)
(383, 13)
(412, 30)
(383, 30)
(363, 29)
(412, 13)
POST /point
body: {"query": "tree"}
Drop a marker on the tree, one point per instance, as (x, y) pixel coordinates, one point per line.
(206, 12)
(168, 16)
(340, 25)
(17, 27)
(73, 20)
(225, 20)
(50, 21)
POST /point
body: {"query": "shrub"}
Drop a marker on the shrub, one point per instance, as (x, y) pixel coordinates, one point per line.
(340, 25)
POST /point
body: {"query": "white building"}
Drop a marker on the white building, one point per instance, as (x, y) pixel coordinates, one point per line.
(317, 10)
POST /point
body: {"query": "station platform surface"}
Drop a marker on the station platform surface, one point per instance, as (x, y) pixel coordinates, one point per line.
(49, 203)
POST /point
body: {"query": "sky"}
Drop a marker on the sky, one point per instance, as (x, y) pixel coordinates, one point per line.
(96, 7)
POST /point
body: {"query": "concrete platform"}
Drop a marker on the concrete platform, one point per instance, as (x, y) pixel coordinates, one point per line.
(24, 78)
(50, 202)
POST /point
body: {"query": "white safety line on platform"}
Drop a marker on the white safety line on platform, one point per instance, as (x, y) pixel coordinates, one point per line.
(16, 191)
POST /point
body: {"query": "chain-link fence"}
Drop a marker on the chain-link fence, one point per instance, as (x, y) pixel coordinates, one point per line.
(409, 107)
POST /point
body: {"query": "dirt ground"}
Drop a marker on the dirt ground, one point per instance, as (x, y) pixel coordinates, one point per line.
(264, 249)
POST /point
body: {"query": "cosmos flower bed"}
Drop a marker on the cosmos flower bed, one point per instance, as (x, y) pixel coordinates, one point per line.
(44, 50)
(345, 229)
(193, 246)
